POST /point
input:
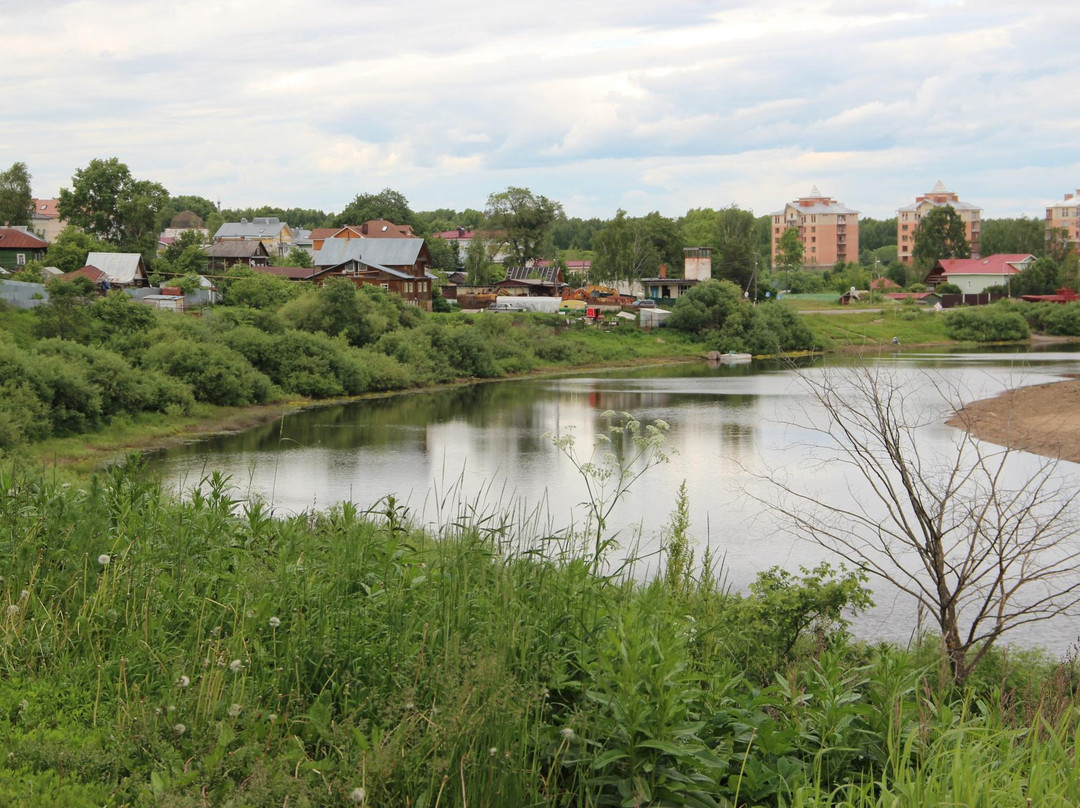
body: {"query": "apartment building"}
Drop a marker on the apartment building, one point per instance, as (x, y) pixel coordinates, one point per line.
(907, 219)
(829, 230)
(1065, 216)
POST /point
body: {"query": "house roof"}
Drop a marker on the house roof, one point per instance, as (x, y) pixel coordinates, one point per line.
(549, 274)
(324, 232)
(16, 238)
(46, 208)
(1000, 264)
(373, 252)
(92, 273)
(186, 219)
(235, 249)
(460, 233)
(259, 227)
(954, 203)
(118, 267)
(382, 228)
(884, 283)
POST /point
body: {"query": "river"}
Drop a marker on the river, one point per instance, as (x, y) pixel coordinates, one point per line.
(486, 452)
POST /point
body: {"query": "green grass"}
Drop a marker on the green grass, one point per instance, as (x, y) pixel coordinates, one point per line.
(911, 325)
(207, 652)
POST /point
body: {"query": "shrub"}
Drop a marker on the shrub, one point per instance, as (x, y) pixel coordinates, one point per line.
(986, 324)
(217, 374)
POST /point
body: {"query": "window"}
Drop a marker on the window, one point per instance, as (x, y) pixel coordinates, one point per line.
(385, 286)
(20, 259)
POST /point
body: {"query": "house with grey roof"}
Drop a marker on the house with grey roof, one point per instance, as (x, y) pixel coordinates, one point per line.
(398, 265)
(275, 234)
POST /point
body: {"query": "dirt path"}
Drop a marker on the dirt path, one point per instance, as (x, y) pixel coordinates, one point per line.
(1043, 419)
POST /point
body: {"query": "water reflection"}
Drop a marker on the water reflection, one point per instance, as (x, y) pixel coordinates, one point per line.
(729, 425)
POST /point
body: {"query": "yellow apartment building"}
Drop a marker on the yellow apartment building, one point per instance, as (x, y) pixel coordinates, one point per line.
(907, 219)
(829, 230)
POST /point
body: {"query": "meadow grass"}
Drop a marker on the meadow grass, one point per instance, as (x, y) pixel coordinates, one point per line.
(863, 329)
(206, 651)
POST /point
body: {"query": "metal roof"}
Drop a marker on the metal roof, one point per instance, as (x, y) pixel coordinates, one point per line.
(259, 227)
(118, 267)
(373, 252)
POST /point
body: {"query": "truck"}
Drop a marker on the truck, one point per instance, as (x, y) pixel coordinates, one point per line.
(547, 305)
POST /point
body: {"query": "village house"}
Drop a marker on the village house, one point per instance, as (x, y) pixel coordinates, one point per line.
(274, 234)
(532, 281)
(224, 254)
(18, 246)
(375, 228)
(398, 265)
(45, 219)
(697, 267)
(112, 270)
(908, 217)
(976, 275)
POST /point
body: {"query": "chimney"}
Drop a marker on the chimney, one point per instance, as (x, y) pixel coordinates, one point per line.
(363, 228)
(461, 230)
(663, 270)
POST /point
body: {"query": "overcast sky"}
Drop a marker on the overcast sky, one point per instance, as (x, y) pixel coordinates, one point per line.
(640, 104)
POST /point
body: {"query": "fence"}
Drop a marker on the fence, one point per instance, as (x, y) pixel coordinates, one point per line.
(23, 295)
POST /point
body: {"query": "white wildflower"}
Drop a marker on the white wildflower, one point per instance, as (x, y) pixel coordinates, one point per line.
(104, 559)
(235, 710)
(275, 622)
(358, 796)
(235, 665)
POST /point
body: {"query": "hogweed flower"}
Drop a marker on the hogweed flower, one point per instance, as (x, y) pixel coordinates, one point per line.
(104, 559)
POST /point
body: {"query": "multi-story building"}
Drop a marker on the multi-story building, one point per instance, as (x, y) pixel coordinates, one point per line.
(829, 231)
(1065, 217)
(907, 219)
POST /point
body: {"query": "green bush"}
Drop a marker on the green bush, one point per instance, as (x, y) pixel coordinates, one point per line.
(217, 374)
(994, 323)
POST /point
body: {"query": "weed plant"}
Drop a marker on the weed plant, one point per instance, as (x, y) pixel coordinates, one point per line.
(158, 652)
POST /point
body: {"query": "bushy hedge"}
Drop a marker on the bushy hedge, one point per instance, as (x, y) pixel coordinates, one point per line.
(996, 323)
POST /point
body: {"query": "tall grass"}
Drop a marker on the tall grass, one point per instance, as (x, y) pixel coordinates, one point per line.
(210, 652)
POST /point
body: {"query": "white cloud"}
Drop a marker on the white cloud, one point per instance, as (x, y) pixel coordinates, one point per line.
(599, 105)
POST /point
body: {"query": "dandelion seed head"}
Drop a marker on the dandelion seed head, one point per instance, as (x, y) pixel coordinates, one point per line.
(235, 665)
(24, 594)
(179, 729)
(183, 681)
(235, 710)
(410, 706)
(493, 751)
(171, 709)
(567, 733)
(12, 610)
(358, 796)
(104, 559)
(24, 704)
(275, 622)
(272, 717)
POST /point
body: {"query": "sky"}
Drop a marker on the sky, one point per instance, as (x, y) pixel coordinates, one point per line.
(640, 105)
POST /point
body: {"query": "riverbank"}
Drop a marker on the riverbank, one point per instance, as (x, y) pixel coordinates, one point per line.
(87, 453)
(1042, 419)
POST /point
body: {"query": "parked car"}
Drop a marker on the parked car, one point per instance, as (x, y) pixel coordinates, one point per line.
(645, 304)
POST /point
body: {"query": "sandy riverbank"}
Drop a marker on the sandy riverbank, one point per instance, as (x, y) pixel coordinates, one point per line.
(1043, 419)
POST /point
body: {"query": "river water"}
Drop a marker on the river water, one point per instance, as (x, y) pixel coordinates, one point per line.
(486, 452)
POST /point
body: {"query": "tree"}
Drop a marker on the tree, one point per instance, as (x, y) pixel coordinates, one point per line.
(876, 233)
(16, 198)
(524, 220)
(67, 314)
(983, 545)
(789, 251)
(111, 205)
(387, 204)
(628, 249)
(442, 254)
(480, 266)
(68, 252)
(1014, 236)
(1043, 277)
(940, 234)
